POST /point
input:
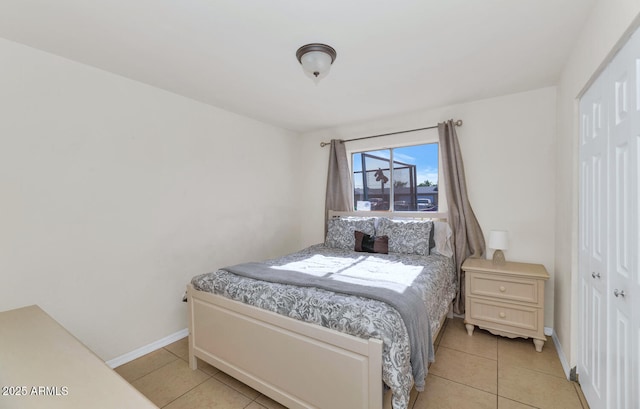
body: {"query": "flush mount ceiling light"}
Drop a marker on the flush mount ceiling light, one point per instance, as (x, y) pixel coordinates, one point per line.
(316, 60)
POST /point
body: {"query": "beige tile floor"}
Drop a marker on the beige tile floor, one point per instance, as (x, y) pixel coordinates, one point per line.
(481, 371)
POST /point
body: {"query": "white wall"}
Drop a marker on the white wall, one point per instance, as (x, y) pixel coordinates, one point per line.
(609, 22)
(111, 191)
(113, 194)
(508, 145)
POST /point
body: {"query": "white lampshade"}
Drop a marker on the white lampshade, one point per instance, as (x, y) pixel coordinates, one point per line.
(498, 239)
(316, 64)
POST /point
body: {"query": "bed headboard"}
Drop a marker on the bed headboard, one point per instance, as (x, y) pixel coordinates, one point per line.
(391, 215)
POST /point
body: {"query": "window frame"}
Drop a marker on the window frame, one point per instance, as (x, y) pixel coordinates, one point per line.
(369, 147)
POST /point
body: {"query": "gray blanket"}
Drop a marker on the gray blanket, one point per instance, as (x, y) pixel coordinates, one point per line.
(361, 277)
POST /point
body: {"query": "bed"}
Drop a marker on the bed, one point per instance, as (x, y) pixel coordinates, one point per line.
(309, 344)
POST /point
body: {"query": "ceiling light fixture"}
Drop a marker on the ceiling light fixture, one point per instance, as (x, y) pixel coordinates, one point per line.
(316, 60)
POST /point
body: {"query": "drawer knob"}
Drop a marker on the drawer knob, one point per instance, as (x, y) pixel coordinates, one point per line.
(502, 289)
(502, 315)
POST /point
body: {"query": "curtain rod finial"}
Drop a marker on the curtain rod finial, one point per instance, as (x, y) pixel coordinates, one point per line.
(323, 144)
(459, 122)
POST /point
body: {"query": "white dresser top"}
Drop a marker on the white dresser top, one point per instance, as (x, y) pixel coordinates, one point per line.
(42, 359)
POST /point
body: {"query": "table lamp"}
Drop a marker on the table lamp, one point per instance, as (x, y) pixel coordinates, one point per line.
(498, 240)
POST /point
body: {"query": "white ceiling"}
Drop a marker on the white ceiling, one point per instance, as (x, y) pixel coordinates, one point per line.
(394, 56)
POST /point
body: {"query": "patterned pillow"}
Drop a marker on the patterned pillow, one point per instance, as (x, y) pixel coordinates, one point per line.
(340, 231)
(406, 236)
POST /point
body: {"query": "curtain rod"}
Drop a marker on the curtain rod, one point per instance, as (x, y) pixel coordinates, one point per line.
(457, 123)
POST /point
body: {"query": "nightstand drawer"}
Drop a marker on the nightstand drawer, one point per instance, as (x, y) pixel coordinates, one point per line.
(504, 315)
(507, 288)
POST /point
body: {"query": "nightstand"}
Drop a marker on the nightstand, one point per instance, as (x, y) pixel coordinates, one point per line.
(505, 299)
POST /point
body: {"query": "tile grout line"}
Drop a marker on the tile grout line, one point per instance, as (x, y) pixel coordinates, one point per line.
(469, 353)
(254, 401)
(540, 372)
(162, 366)
(498, 396)
(520, 403)
(149, 373)
(176, 355)
(180, 358)
(464, 384)
(212, 377)
(169, 403)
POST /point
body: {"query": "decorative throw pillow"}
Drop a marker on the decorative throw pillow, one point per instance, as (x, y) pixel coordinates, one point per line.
(371, 244)
(340, 231)
(406, 236)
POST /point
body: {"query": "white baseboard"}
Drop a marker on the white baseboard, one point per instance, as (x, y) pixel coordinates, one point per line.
(130, 356)
(563, 359)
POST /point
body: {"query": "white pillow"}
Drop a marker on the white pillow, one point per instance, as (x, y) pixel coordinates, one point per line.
(443, 236)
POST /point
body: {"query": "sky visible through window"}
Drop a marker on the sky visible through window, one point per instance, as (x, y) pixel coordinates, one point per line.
(425, 157)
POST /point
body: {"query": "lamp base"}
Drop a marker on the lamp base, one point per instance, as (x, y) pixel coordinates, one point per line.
(498, 257)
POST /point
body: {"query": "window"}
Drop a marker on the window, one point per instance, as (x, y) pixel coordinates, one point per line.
(398, 179)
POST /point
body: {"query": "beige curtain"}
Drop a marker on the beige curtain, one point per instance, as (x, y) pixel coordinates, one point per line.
(467, 234)
(339, 182)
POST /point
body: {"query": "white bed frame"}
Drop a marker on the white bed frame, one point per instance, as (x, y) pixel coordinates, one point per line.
(297, 364)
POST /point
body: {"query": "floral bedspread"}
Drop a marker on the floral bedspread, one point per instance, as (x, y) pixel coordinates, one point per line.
(361, 317)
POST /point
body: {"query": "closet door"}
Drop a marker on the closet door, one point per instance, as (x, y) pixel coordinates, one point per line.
(592, 364)
(609, 266)
(624, 275)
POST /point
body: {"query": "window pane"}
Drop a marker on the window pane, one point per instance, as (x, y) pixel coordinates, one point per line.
(414, 184)
(371, 179)
(404, 186)
(416, 178)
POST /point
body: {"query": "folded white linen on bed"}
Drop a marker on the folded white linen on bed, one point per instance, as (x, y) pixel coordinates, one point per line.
(365, 276)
